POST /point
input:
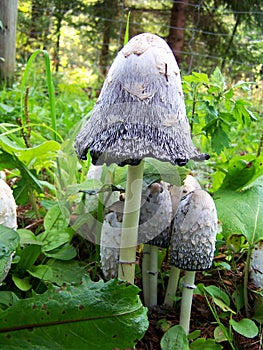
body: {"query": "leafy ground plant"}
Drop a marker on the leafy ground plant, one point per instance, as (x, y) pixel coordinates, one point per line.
(72, 318)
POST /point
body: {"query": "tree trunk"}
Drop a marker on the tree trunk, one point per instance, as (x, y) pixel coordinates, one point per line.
(8, 19)
(177, 26)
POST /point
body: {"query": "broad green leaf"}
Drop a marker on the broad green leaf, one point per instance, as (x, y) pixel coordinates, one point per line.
(27, 237)
(58, 272)
(22, 283)
(220, 140)
(175, 339)
(242, 171)
(93, 316)
(205, 344)
(64, 252)
(54, 219)
(245, 327)
(9, 240)
(241, 212)
(39, 156)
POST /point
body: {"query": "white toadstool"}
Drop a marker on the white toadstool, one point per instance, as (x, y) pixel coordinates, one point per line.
(140, 112)
(7, 206)
(193, 241)
(8, 218)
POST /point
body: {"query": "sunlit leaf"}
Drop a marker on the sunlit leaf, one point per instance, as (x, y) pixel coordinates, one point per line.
(92, 316)
(241, 212)
(245, 327)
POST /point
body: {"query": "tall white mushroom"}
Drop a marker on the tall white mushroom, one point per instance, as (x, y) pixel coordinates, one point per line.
(140, 112)
(193, 240)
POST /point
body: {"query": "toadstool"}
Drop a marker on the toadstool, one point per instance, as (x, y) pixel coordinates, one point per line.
(193, 240)
(140, 112)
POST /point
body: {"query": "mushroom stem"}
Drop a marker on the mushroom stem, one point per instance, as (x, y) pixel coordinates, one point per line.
(145, 273)
(153, 275)
(130, 223)
(186, 303)
(172, 286)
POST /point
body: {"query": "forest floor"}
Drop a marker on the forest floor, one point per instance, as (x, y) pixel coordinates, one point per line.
(162, 317)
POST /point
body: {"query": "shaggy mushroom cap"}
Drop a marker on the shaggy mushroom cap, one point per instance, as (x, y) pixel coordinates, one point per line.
(156, 215)
(194, 232)
(140, 111)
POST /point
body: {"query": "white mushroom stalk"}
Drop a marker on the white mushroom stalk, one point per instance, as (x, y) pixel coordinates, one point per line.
(193, 242)
(140, 113)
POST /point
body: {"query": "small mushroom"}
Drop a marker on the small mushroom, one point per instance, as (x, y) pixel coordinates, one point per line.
(195, 227)
(193, 240)
(7, 206)
(154, 227)
(8, 218)
(140, 111)
(110, 244)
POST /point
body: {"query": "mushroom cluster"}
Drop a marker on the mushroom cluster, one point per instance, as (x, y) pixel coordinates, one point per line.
(140, 113)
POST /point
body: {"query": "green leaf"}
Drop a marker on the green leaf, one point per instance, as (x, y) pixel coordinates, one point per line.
(205, 344)
(218, 79)
(27, 237)
(175, 339)
(197, 78)
(241, 212)
(65, 252)
(242, 171)
(219, 334)
(9, 241)
(7, 299)
(92, 316)
(54, 219)
(220, 140)
(58, 272)
(216, 292)
(258, 316)
(245, 327)
(22, 283)
(126, 35)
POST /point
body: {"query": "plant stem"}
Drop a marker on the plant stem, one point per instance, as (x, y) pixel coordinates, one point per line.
(130, 223)
(153, 275)
(172, 286)
(145, 273)
(186, 303)
(246, 275)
